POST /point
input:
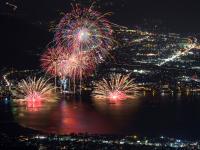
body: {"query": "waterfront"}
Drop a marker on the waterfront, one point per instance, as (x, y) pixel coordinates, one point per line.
(173, 116)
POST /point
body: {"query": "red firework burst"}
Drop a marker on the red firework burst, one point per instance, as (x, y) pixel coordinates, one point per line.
(34, 92)
(76, 65)
(85, 30)
(50, 60)
(116, 88)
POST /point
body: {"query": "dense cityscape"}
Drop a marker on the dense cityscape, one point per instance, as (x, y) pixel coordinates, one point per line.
(85, 141)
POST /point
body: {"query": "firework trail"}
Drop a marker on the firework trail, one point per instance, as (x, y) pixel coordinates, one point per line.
(117, 87)
(36, 91)
(76, 65)
(50, 60)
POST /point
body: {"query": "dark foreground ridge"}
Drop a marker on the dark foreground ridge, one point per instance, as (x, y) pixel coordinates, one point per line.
(32, 140)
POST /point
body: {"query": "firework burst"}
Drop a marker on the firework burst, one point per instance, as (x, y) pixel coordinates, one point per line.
(83, 39)
(36, 90)
(85, 30)
(76, 65)
(117, 87)
(50, 60)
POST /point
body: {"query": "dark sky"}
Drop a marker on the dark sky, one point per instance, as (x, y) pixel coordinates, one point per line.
(25, 30)
(126, 12)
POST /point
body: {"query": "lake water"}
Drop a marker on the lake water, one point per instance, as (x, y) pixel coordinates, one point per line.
(174, 116)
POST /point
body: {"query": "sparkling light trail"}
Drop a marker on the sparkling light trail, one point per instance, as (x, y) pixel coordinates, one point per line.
(115, 88)
(36, 90)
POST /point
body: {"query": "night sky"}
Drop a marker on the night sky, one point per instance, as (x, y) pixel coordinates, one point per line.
(24, 31)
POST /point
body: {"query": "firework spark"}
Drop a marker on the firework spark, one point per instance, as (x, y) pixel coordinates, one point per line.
(85, 30)
(60, 62)
(117, 87)
(76, 65)
(50, 60)
(36, 91)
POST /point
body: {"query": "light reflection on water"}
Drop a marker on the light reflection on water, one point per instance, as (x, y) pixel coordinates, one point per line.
(160, 115)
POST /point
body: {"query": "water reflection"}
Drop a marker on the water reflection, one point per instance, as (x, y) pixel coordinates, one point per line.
(147, 114)
(28, 105)
(34, 105)
(72, 115)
